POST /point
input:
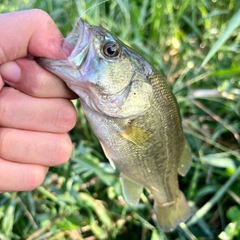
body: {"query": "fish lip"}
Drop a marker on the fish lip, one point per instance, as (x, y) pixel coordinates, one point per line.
(79, 38)
(76, 33)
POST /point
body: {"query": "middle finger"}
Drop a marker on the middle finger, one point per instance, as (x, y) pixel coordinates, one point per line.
(18, 110)
(47, 149)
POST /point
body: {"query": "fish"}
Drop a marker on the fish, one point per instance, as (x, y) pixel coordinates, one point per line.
(134, 115)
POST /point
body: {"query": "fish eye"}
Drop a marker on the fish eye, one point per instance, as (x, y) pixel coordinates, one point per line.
(111, 49)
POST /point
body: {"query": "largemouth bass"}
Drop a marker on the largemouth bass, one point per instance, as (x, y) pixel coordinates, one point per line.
(133, 113)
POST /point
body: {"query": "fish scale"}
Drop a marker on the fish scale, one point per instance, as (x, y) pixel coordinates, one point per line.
(134, 115)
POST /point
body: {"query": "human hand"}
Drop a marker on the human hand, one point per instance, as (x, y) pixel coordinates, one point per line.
(35, 111)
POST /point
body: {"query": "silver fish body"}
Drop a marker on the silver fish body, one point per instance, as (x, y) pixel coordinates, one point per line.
(133, 113)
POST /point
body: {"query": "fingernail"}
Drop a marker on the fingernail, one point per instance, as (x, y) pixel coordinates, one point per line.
(10, 72)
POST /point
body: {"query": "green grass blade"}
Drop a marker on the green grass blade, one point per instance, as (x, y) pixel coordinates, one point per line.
(8, 220)
(202, 211)
(85, 161)
(183, 228)
(98, 208)
(233, 24)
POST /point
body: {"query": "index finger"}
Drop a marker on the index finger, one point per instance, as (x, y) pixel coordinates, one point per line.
(38, 36)
(29, 32)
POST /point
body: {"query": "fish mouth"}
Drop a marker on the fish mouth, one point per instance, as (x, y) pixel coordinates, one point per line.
(79, 40)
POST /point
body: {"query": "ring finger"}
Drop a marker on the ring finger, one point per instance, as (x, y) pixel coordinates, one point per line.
(47, 149)
(20, 177)
(18, 110)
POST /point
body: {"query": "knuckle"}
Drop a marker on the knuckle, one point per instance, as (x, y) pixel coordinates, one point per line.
(5, 141)
(4, 106)
(3, 55)
(41, 14)
(26, 84)
(34, 87)
(8, 100)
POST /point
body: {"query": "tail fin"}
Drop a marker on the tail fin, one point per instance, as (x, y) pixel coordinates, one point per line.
(169, 215)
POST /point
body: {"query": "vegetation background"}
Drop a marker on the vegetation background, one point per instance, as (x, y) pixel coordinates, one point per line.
(195, 44)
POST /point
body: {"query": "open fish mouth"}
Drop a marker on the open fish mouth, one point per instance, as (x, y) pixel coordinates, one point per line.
(79, 39)
(76, 34)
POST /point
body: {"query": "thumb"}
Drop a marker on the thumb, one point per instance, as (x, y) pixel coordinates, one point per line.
(29, 32)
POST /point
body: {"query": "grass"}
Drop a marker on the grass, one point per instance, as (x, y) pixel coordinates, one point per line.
(195, 44)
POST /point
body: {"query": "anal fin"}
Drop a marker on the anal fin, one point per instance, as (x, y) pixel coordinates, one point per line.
(131, 190)
(186, 159)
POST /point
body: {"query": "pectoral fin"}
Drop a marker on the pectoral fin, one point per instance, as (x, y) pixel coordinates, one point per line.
(107, 154)
(137, 135)
(131, 190)
(186, 160)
